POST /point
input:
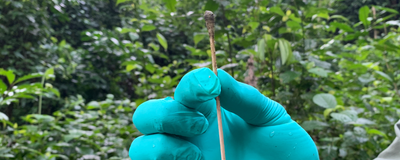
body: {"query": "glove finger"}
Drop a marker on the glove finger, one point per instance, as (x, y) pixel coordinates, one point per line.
(248, 103)
(197, 88)
(165, 147)
(169, 116)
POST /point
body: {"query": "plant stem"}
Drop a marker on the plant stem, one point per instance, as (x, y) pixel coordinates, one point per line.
(229, 40)
(40, 97)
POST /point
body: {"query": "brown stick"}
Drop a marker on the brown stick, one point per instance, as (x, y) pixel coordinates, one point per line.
(210, 22)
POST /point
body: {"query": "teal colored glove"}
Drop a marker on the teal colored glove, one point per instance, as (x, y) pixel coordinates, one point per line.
(255, 127)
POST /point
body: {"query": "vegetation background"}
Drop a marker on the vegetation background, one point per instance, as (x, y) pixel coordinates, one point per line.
(73, 71)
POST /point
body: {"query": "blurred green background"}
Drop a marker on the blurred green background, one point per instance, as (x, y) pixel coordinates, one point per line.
(73, 71)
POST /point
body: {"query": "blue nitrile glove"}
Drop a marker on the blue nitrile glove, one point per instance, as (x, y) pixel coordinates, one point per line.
(255, 127)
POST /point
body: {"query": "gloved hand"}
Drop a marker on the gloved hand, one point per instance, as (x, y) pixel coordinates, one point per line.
(186, 127)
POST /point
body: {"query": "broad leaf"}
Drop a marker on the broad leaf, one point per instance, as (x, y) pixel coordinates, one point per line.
(42, 118)
(55, 91)
(170, 4)
(311, 125)
(27, 77)
(384, 75)
(3, 87)
(120, 1)
(386, 9)
(9, 74)
(49, 73)
(319, 71)
(325, 100)
(285, 49)
(341, 117)
(149, 67)
(342, 26)
(363, 15)
(277, 10)
(261, 49)
(148, 27)
(129, 67)
(340, 17)
(211, 5)
(162, 41)
(366, 78)
(3, 116)
(376, 132)
(289, 76)
(198, 37)
(254, 25)
(293, 25)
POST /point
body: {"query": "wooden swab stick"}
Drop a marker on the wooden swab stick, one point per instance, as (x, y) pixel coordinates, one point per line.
(210, 22)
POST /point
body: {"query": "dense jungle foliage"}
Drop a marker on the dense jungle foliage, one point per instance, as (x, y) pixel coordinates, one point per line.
(73, 71)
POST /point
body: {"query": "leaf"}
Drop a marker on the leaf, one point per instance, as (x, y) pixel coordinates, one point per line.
(363, 15)
(277, 10)
(120, 1)
(364, 121)
(49, 73)
(294, 18)
(43, 118)
(133, 36)
(9, 74)
(129, 67)
(366, 78)
(325, 100)
(342, 26)
(386, 9)
(293, 25)
(319, 71)
(285, 49)
(311, 125)
(261, 45)
(352, 114)
(254, 25)
(3, 116)
(31, 76)
(148, 27)
(149, 67)
(340, 17)
(167, 80)
(7, 155)
(289, 76)
(3, 87)
(93, 105)
(115, 41)
(211, 5)
(230, 65)
(198, 37)
(323, 15)
(170, 4)
(341, 117)
(55, 91)
(377, 132)
(384, 75)
(162, 41)
(393, 22)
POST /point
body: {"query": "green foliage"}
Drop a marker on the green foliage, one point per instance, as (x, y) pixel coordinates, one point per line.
(332, 64)
(97, 130)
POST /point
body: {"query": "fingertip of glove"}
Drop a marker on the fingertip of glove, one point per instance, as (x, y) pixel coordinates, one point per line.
(208, 81)
(197, 86)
